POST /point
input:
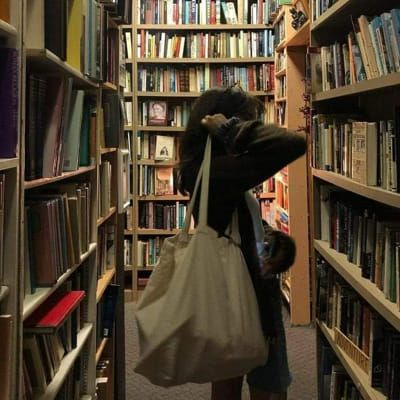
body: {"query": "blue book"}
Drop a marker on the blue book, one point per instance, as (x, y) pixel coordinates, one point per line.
(395, 14)
(385, 17)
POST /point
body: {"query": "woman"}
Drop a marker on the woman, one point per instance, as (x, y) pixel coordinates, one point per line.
(244, 153)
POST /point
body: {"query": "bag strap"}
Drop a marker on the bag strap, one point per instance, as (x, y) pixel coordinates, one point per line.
(204, 177)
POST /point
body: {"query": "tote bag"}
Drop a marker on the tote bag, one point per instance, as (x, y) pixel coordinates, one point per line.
(198, 317)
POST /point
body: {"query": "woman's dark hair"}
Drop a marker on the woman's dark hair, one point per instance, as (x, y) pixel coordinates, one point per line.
(231, 102)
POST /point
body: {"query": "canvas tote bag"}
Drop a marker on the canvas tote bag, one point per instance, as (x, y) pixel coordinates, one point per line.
(198, 317)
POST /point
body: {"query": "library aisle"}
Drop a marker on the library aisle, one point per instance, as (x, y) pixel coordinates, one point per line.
(302, 360)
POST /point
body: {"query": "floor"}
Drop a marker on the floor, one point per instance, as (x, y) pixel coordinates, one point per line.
(301, 350)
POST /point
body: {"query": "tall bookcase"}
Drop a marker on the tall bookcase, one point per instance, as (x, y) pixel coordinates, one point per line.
(292, 182)
(353, 276)
(80, 187)
(11, 87)
(177, 78)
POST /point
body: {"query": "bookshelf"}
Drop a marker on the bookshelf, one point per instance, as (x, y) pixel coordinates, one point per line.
(11, 91)
(201, 68)
(346, 186)
(292, 183)
(60, 195)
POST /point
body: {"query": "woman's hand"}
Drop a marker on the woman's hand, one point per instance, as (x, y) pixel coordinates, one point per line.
(213, 122)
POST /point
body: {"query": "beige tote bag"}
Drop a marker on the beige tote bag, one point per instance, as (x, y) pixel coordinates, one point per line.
(198, 317)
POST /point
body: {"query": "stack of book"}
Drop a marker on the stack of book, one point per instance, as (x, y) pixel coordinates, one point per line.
(158, 181)
(154, 215)
(149, 251)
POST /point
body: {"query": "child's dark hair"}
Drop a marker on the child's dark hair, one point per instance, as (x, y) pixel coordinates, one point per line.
(231, 102)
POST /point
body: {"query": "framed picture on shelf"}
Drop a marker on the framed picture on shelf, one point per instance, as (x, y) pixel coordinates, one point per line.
(157, 113)
(164, 148)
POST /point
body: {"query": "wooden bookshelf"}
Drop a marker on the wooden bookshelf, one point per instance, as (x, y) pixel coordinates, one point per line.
(109, 86)
(359, 377)
(198, 27)
(104, 282)
(4, 291)
(157, 232)
(7, 30)
(172, 197)
(161, 128)
(100, 349)
(157, 163)
(244, 60)
(293, 44)
(108, 150)
(8, 163)
(373, 99)
(102, 220)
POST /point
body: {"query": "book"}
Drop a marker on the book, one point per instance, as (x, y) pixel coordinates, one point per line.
(7, 341)
(55, 26)
(2, 228)
(164, 148)
(164, 181)
(74, 37)
(51, 314)
(157, 113)
(109, 306)
(9, 102)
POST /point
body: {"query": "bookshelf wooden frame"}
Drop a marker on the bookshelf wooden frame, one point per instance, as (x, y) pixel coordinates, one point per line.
(324, 31)
(297, 293)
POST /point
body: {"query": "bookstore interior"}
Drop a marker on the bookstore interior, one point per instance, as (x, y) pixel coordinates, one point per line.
(94, 98)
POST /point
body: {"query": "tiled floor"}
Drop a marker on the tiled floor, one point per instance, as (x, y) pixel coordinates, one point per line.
(301, 350)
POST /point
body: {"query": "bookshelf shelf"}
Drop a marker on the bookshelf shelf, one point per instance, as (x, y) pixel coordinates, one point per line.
(100, 349)
(352, 274)
(301, 37)
(374, 193)
(128, 94)
(66, 365)
(48, 61)
(128, 127)
(7, 30)
(128, 232)
(281, 45)
(66, 175)
(330, 15)
(147, 268)
(4, 290)
(108, 150)
(359, 377)
(109, 86)
(128, 267)
(171, 197)
(129, 61)
(161, 128)
(280, 73)
(196, 94)
(286, 295)
(266, 195)
(281, 100)
(103, 282)
(383, 82)
(251, 60)
(198, 27)
(33, 301)
(157, 163)
(101, 220)
(8, 163)
(158, 232)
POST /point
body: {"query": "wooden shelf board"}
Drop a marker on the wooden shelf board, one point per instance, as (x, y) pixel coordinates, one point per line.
(66, 365)
(50, 62)
(100, 349)
(65, 175)
(281, 99)
(4, 291)
(128, 94)
(383, 82)
(33, 301)
(280, 73)
(109, 86)
(128, 232)
(205, 60)
(198, 27)
(128, 268)
(358, 376)
(7, 30)
(281, 46)
(158, 163)
(161, 128)
(266, 195)
(352, 274)
(169, 94)
(108, 150)
(8, 163)
(301, 37)
(103, 283)
(172, 197)
(159, 232)
(101, 220)
(147, 268)
(285, 296)
(128, 128)
(329, 14)
(374, 193)
(128, 61)
(279, 16)
(126, 26)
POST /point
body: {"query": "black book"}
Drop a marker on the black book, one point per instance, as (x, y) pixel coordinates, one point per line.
(109, 305)
(55, 26)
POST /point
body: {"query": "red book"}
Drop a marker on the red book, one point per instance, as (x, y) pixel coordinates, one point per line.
(53, 312)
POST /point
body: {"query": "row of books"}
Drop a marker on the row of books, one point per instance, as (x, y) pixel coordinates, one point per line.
(163, 113)
(268, 116)
(335, 383)
(105, 379)
(202, 77)
(282, 85)
(280, 60)
(142, 279)
(366, 152)
(148, 251)
(282, 194)
(281, 219)
(205, 45)
(279, 32)
(105, 316)
(50, 333)
(158, 181)
(342, 309)
(154, 215)
(204, 12)
(369, 235)
(106, 249)
(128, 253)
(9, 100)
(268, 186)
(155, 147)
(318, 7)
(371, 51)
(105, 188)
(280, 113)
(267, 210)
(60, 217)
